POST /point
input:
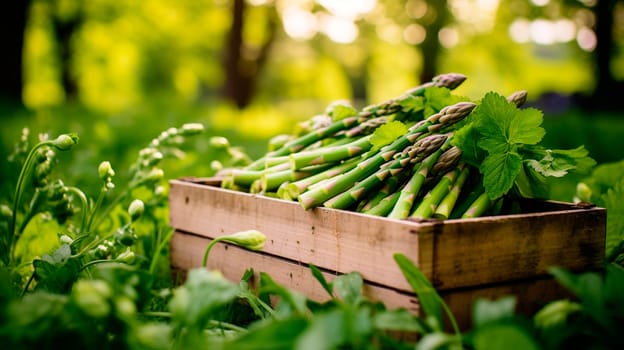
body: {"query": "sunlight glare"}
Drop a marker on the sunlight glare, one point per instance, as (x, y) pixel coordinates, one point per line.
(299, 24)
(565, 30)
(449, 37)
(542, 32)
(519, 30)
(586, 39)
(339, 30)
(480, 13)
(540, 3)
(348, 9)
(414, 34)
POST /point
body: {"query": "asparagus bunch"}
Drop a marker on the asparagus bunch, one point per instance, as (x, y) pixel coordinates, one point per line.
(356, 160)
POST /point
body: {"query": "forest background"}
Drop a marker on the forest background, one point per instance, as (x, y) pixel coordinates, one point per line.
(119, 72)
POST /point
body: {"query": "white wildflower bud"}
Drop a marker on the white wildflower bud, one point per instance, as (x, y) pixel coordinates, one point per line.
(105, 170)
(136, 209)
(65, 142)
(219, 142)
(250, 239)
(190, 129)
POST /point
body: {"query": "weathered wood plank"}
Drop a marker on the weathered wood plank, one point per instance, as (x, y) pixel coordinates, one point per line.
(187, 252)
(452, 253)
(332, 239)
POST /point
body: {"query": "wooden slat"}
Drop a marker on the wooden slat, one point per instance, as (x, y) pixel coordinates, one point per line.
(332, 239)
(507, 248)
(452, 253)
(187, 252)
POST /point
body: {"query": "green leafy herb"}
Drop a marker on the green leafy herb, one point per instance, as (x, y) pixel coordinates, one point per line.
(438, 98)
(503, 142)
(387, 133)
(341, 111)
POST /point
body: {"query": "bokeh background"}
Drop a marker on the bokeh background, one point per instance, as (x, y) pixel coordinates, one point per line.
(119, 72)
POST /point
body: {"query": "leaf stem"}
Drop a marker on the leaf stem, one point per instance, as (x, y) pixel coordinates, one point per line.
(83, 202)
(160, 248)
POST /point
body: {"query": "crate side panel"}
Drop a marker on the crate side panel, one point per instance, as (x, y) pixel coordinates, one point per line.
(531, 295)
(187, 252)
(332, 239)
(496, 249)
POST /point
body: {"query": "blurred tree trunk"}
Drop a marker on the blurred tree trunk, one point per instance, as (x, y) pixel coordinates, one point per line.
(64, 29)
(243, 63)
(13, 22)
(607, 94)
(435, 19)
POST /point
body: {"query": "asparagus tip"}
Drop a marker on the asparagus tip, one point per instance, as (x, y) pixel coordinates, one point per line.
(449, 80)
(518, 98)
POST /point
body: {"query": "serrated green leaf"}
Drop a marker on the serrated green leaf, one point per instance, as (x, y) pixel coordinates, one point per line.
(558, 162)
(341, 111)
(387, 133)
(439, 97)
(525, 127)
(412, 103)
(499, 173)
(466, 139)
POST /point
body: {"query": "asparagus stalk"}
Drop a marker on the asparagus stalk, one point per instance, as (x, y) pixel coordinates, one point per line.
(332, 154)
(409, 192)
(345, 199)
(305, 140)
(271, 181)
(384, 206)
(430, 202)
(447, 116)
(449, 80)
(244, 177)
(292, 190)
(443, 211)
(478, 207)
(388, 188)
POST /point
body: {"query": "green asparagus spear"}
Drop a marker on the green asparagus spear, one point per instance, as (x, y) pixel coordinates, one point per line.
(444, 209)
(430, 202)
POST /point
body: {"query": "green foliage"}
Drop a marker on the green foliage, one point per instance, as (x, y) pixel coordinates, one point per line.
(503, 142)
(387, 133)
(108, 292)
(605, 188)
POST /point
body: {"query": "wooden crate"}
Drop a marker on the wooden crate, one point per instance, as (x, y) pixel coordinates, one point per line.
(464, 259)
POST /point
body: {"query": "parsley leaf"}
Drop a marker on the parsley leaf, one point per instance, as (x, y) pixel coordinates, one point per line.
(559, 162)
(499, 172)
(503, 129)
(466, 139)
(340, 110)
(438, 98)
(412, 104)
(387, 133)
(501, 123)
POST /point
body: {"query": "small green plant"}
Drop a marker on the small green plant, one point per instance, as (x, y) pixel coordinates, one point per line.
(105, 228)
